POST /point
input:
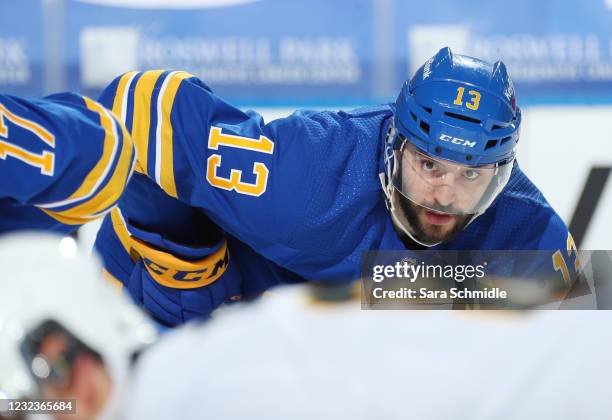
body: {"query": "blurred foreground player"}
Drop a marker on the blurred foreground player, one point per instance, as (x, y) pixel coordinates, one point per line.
(223, 200)
(311, 356)
(64, 160)
(64, 333)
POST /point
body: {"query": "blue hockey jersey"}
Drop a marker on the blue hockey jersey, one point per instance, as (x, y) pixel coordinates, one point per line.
(64, 160)
(300, 192)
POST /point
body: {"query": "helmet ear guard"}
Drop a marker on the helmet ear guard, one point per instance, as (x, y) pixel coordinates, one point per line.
(387, 185)
(389, 160)
(389, 156)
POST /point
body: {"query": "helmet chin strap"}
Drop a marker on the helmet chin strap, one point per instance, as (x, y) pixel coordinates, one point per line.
(387, 187)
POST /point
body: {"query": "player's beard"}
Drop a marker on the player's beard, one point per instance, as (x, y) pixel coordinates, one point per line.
(429, 233)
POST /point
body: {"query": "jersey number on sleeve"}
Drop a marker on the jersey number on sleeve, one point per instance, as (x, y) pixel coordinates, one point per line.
(262, 145)
(43, 161)
(559, 263)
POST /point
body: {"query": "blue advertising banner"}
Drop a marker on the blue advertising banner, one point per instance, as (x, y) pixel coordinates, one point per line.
(263, 51)
(553, 50)
(274, 52)
(21, 47)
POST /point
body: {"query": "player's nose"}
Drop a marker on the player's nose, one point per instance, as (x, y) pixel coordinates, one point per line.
(444, 195)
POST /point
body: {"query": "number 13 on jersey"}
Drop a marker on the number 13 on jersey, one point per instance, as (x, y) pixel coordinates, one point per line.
(261, 145)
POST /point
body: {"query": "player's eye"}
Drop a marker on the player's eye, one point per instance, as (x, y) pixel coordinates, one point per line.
(471, 174)
(428, 165)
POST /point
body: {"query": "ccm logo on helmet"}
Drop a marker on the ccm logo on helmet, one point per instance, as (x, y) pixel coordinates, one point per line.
(457, 140)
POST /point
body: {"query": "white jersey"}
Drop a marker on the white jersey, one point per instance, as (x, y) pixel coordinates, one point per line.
(287, 357)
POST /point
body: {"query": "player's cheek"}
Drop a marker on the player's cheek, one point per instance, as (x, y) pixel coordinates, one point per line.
(467, 198)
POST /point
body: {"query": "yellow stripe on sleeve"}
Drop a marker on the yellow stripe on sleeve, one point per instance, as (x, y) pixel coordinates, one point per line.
(120, 95)
(32, 126)
(120, 229)
(141, 125)
(120, 102)
(166, 180)
(98, 173)
(110, 193)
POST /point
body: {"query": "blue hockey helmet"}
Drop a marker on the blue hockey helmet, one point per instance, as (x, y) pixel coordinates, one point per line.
(454, 134)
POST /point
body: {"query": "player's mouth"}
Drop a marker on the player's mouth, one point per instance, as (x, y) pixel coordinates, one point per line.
(439, 219)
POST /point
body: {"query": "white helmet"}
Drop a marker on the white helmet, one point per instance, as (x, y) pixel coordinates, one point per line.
(43, 279)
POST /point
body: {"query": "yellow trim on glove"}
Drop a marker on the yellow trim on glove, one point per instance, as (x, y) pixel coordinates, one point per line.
(165, 268)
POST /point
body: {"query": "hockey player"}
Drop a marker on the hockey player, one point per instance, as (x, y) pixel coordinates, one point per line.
(310, 357)
(64, 160)
(225, 200)
(64, 334)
